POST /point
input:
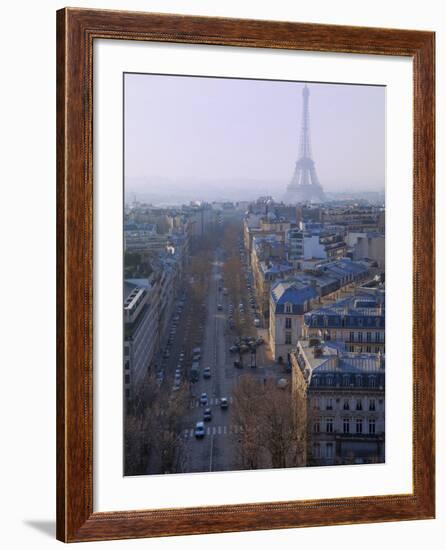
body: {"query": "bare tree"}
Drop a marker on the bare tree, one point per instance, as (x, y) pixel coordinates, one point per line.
(282, 427)
(246, 406)
(152, 432)
(272, 435)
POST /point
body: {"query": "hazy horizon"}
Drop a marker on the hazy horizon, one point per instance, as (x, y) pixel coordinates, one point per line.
(234, 139)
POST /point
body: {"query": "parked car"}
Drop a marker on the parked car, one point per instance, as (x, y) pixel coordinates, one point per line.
(233, 349)
(260, 341)
(204, 399)
(219, 307)
(257, 322)
(207, 415)
(224, 403)
(238, 365)
(199, 430)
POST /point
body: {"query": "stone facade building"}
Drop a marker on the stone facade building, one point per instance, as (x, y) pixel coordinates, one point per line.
(342, 403)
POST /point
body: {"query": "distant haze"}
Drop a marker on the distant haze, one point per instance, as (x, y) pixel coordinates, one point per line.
(191, 138)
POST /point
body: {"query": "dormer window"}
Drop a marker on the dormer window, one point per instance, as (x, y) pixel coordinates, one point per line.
(288, 308)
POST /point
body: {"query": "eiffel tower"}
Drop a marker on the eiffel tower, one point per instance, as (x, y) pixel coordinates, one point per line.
(304, 185)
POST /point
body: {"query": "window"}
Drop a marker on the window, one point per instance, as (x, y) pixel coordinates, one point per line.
(329, 425)
(288, 308)
(369, 337)
(359, 405)
(358, 380)
(317, 426)
(316, 403)
(288, 338)
(127, 378)
(368, 349)
(288, 322)
(359, 425)
(345, 380)
(329, 380)
(377, 336)
(346, 405)
(352, 336)
(372, 426)
(351, 348)
(317, 450)
(372, 405)
(329, 450)
(329, 404)
(359, 336)
(372, 381)
(346, 425)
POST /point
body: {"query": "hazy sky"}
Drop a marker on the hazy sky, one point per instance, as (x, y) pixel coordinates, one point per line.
(185, 129)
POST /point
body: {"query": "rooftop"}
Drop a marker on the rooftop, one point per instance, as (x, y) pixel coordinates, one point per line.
(319, 358)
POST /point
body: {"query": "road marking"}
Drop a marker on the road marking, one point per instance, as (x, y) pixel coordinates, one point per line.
(213, 430)
(208, 431)
(224, 430)
(219, 430)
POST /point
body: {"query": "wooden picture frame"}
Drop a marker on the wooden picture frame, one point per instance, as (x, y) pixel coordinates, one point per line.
(76, 31)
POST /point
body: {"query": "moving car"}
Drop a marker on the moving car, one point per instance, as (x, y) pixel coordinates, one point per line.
(204, 399)
(207, 415)
(219, 307)
(224, 403)
(207, 372)
(233, 349)
(199, 430)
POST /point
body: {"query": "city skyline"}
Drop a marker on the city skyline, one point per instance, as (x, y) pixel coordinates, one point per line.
(239, 138)
(254, 282)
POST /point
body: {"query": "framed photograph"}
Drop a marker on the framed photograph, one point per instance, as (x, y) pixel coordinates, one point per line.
(245, 244)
